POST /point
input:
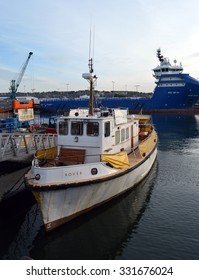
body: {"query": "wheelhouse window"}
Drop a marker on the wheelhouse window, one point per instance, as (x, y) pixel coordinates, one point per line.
(63, 127)
(123, 134)
(127, 133)
(77, 128)
(117, 137)
(93, 129)
(107, 129)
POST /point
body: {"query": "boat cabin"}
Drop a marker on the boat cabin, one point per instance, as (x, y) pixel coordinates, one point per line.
(105, 132)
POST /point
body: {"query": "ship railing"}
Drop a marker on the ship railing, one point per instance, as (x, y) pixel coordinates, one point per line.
(20, 145)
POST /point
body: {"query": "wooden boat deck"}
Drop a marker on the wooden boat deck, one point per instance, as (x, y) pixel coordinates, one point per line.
(134, 157)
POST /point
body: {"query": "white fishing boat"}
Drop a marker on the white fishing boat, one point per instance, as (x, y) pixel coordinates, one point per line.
(100, 154)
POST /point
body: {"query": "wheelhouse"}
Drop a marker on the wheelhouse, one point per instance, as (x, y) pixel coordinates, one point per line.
(104, 132)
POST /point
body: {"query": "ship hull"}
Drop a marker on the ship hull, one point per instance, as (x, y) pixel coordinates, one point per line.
(170, 96)
(190, 111)
(59, 205)
(63, 106)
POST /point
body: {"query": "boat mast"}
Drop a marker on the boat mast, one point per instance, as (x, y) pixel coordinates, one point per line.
(91, 79)
(91, 98)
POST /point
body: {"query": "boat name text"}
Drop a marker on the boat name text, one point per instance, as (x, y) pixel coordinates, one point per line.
(73, 173)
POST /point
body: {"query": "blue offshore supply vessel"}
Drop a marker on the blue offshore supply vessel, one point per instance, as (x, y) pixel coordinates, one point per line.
(174, 92)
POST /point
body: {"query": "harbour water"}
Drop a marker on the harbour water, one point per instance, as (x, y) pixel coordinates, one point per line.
(156, 220)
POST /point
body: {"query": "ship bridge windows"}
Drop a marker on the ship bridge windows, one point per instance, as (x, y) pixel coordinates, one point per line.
(93, 129)
(171, 84)
(171, 78)
(63, 127)
(76, 128)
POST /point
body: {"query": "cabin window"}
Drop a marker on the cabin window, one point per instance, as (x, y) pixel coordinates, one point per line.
(93, 129)
(127, 133)
(77, 128)
(117, 137)
(52, 122)
(107, 129)
(123, 134)
(63, 127)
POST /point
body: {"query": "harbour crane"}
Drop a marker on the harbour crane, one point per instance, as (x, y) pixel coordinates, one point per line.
(14, 84)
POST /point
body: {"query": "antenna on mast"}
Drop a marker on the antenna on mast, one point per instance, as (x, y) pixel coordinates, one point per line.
(89, 54)
(91, 48)
(93, 40)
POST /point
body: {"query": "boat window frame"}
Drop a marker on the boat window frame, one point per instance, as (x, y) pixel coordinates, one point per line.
(65, 129)
(123, 134)
(94, 129)
(107, 129)
(79, 130)
(117, 137)
(127, 133)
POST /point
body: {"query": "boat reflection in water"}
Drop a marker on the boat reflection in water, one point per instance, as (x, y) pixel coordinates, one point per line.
(99, 234)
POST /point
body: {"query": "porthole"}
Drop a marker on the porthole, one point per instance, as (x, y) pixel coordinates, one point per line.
(94, 171)
(37, 177)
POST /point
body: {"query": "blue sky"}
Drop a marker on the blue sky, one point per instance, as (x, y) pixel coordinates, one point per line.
(127, 35)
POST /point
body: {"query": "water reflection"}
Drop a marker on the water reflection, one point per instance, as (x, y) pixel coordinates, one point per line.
(175, 131)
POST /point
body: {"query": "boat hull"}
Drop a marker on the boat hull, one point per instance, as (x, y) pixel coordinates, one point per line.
(61, 205)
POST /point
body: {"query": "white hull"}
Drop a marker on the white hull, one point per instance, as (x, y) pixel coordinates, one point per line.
(61, 205)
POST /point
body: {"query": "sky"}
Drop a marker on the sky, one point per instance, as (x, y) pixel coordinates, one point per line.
(125, 37)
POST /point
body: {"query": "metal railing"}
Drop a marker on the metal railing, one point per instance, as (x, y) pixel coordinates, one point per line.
(20, 145)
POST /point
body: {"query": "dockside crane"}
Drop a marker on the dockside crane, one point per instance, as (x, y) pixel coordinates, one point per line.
(14, 84)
